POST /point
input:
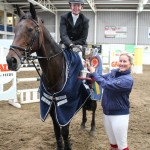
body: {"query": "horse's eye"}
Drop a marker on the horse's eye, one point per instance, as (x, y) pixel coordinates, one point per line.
(30, 29)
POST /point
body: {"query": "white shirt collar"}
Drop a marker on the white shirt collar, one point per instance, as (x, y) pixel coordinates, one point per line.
(75, 17)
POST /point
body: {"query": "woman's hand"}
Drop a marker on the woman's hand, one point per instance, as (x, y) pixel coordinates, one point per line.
(89, 67)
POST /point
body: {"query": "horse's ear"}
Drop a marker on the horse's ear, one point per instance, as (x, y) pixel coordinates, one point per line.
(19, 11)
(33, 12)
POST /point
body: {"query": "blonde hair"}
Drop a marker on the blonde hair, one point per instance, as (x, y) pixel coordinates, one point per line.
(129, 56)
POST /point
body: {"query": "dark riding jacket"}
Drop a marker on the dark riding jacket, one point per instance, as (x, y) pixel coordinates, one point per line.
(76, 34)
(117, 87)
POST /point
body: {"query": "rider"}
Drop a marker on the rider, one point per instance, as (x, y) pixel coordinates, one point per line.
(74, 26)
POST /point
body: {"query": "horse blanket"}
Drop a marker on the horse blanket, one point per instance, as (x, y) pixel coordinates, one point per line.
(70, 98)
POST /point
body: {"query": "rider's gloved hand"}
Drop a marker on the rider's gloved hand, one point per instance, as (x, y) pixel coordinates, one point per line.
(75, 48)
(71, 46)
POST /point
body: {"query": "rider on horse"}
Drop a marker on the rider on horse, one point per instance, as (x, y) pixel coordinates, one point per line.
(74, 27)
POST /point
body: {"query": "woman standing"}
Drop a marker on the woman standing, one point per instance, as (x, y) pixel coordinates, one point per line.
(117, 86)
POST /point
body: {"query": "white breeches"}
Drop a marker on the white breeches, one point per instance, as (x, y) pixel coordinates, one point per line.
(116, 127)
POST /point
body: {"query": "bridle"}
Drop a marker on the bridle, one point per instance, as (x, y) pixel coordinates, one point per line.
(27, 51)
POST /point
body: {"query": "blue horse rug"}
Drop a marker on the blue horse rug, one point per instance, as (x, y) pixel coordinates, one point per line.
(70, 98)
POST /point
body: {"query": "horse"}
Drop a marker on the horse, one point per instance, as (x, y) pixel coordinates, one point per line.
(32, 36)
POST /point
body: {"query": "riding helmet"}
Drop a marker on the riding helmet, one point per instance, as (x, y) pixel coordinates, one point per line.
(76, 1)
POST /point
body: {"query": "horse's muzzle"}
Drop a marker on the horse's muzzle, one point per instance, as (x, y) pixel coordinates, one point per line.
(12, 63)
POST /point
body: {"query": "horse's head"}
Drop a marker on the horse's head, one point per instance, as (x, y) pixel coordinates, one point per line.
(26, 40)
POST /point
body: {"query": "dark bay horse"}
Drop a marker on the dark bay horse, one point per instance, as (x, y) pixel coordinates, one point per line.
(31, 36)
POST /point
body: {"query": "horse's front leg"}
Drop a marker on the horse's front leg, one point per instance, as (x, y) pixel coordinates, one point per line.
(94, 106)
(57, 130)
(84, 118)
(66, 138)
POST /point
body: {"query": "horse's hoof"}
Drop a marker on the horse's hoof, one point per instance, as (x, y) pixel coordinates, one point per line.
(92, 133)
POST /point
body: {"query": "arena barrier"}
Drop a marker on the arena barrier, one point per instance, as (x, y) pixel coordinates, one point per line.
(28, 95)
(11, 94)
(6, 76)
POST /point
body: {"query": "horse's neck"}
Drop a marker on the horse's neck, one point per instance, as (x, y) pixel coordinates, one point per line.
(54, 69)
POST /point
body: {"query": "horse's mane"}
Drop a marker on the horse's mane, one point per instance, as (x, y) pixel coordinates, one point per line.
(49, 36)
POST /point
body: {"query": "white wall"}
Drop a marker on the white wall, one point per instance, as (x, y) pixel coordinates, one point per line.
(146, 55)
